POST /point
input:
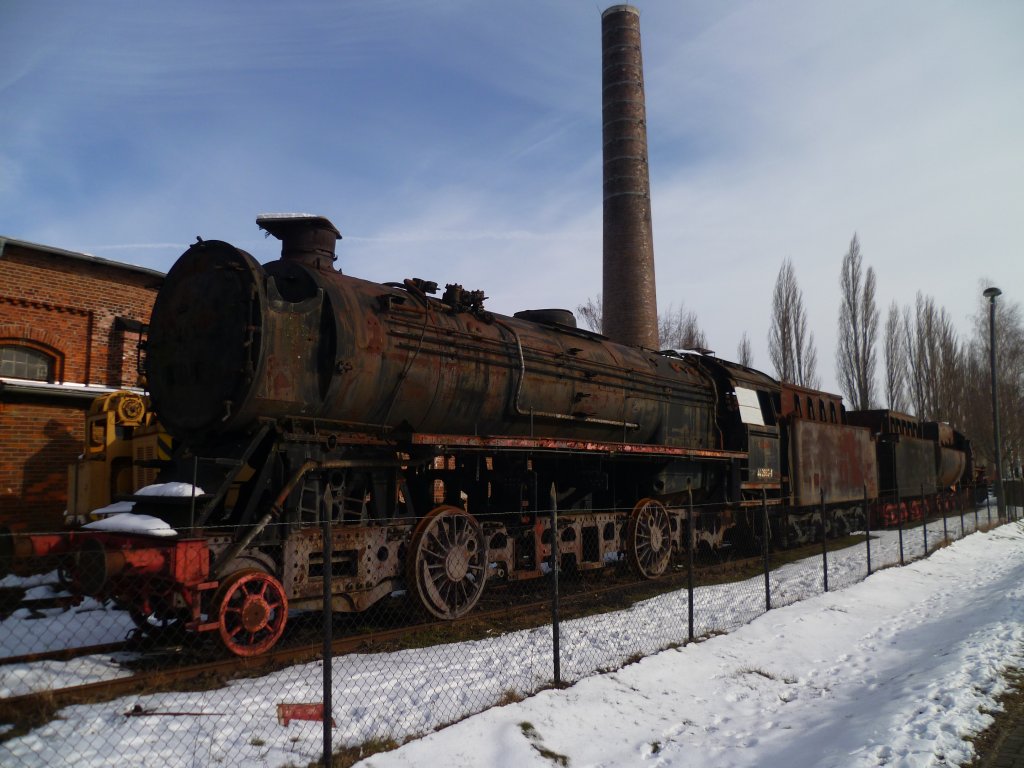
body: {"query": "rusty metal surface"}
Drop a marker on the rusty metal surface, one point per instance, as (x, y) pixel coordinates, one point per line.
(286, 340)
(366, 560)
(445, 442)
(835, 458)
(950, 467)
(794, 402)
(907, 463)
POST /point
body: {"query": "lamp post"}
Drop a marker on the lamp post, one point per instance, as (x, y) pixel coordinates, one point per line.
(990, 294)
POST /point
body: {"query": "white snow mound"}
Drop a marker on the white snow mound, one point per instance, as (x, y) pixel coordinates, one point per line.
(143, 524)
(169, 489)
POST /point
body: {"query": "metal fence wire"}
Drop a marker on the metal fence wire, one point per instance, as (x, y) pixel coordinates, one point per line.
(84, 682)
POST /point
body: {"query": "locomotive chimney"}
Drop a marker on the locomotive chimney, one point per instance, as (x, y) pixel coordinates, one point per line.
(629, 298)
(304, 237)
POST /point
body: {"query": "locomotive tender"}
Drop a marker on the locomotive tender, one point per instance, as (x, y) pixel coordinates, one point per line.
(437, 436)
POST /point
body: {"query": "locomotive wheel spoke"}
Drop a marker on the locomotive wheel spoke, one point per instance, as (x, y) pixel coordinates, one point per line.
(446, 566)
(649, 539)
(251, 610)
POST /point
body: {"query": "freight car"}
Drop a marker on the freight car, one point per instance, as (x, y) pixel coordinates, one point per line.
(435, 436)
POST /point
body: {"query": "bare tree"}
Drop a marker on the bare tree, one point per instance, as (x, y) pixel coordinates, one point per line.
(790, 345)
(913, 352)
(858, 329)
(592, 313)
(1010, 383)
(937, 364)
(680, 330)
(677, 329)
(895, 361)
(743, 354)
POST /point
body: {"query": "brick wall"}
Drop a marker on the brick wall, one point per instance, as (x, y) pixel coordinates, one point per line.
(39, 441)
(85, 313)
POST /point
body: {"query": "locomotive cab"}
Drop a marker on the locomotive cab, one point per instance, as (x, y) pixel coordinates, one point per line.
(747, 417)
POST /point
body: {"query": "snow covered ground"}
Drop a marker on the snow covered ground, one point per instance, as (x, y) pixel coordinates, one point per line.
(894, 670)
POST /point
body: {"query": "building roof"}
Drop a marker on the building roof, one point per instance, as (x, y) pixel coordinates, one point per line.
(43, 389)
(49, 249)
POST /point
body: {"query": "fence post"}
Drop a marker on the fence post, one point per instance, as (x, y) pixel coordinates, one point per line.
(963, 530)
(924, 520)
(824, 541)
(899, 520)
(328, 616)
(867, 526)
(192, 501)
(689, 563)
(960, 495)
(764, 546)
(960, 498)
(555, 558)
(988, 506)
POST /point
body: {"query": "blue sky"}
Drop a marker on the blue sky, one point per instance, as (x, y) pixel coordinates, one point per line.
(460, 142)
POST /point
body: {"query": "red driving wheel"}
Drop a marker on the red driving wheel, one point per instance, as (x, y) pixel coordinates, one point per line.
(251, 610)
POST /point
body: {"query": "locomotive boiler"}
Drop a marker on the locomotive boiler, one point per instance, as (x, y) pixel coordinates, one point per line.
(232, 342)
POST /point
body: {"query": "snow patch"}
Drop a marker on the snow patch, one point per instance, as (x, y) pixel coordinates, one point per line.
(146, 525)
(170, 489)
(117, 508)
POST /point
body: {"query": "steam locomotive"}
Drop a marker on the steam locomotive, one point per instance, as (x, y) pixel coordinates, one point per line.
(435, 438)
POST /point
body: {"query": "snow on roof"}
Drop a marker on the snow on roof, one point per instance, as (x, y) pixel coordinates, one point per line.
(146, 525)
(117, 508)
(169, 489)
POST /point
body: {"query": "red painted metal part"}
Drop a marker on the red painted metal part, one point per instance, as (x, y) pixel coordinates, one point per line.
(562, 444)
(252, 610)
(288, 712)
(190, 561)
(25, 554)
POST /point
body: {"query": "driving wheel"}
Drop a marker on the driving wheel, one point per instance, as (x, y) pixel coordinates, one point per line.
(251, 612)
(447, 562)
(649, 538)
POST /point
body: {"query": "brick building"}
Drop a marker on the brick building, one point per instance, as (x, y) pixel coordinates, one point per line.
(70, 326)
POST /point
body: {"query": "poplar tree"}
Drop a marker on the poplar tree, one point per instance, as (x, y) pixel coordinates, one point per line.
(790, 344)
(858, 330)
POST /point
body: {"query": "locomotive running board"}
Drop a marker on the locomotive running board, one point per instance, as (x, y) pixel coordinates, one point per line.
(320, 430)
(473, 442)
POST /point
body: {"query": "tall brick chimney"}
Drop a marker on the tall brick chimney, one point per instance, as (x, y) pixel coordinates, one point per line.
(629, 296)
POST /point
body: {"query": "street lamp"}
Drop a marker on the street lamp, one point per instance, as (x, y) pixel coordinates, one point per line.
(990, 294)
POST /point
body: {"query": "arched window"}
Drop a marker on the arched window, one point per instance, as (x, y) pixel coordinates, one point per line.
(20, 362)
(810, 408)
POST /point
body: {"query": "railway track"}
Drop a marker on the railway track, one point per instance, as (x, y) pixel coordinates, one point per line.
(609, 590)
(65, 654)
(511, 614)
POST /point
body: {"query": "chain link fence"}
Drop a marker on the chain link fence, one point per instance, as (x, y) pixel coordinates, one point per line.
(84, 683)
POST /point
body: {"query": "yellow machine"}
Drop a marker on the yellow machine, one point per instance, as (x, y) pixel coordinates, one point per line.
(123, 440)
